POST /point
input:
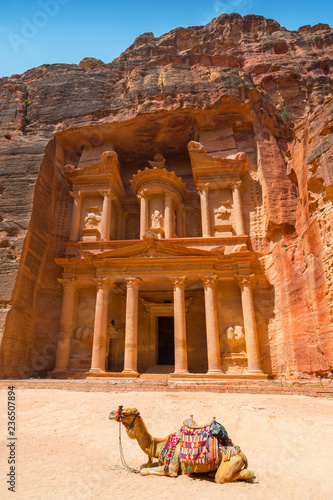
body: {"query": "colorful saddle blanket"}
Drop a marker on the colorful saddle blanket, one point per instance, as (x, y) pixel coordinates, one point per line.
(198, 444)
(168, 450)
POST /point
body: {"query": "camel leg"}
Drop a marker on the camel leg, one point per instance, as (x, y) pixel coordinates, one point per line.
(231, 470)
(153, 471)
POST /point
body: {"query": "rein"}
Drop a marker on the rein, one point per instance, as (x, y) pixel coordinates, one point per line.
(121, 452)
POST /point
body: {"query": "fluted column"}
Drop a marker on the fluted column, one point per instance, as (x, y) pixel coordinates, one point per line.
(143, 214)
(251, 338)
(106, 214)
(76, 215)
(212, 333)
(168, 216)
(131, 327)
(67, 319)
(238, 208)
(180, 325)
(205, 214)
(100, 326)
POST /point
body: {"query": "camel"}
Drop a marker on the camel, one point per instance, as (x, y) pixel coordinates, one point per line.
(226, 470)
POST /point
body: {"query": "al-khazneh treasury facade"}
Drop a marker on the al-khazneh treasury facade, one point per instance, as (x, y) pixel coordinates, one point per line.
(159, 280)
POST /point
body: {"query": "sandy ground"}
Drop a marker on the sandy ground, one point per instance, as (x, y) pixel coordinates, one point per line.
(67, 446)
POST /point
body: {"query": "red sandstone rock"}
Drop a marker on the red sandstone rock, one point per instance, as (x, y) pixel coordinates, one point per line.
(236, 84)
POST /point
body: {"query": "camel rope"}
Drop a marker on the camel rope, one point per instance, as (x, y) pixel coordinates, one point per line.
(122, 458)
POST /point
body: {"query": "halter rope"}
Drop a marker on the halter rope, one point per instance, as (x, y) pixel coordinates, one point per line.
(122, 458)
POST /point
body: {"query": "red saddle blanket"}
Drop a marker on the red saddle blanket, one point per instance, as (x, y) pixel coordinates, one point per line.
(197, 446)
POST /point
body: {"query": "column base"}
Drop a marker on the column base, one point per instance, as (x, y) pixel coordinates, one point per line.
(59, 370)
(130, 373)
(180, 372)
(96, 370)
(215, 373)
(256, 374)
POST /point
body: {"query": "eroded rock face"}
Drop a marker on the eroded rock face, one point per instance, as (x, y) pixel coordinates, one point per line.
(236, 84)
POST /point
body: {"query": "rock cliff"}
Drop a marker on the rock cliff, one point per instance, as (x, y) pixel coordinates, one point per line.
(236, 84)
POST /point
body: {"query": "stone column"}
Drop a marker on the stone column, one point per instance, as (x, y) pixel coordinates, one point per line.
(180, 325)
(168, 230)
(143, 214)
(251, 339)
(131, 326)
(212, 333)
(76, 215)
(100, 326)
(205, 214)
(238, 209)
(106, 214)
(66, 324)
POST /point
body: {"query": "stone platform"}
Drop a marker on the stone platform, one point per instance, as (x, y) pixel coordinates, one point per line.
(161, 384)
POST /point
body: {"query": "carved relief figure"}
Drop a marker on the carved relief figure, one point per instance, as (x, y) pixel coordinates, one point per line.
(92, 219)
(158, 162)
(156, 220)
(236, 338)
(222, 213)
(84, 335)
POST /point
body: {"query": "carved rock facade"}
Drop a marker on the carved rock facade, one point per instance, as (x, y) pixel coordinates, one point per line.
(171, 210)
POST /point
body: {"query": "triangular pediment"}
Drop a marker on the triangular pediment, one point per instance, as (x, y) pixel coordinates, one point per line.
(150, 248)
(97, 169)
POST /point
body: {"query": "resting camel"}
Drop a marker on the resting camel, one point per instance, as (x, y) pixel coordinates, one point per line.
(226, 470)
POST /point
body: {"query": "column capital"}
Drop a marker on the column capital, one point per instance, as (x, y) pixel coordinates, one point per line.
(202, 188)
(104, 283)
(168, 193)
(244, 280)
(178, 281)
(76, 194)
(69, 283)
(209, 281)
(133, 282)
(235, 185)
(143, 194)
(107, 192)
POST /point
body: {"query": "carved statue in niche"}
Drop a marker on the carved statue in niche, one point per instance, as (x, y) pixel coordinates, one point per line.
(84, 335)
(156, 220)
(158, 162)
(114, 332)
(236, 339)
(92, 219)
(222, 213)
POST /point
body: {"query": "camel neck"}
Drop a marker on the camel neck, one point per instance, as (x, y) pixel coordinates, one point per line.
(140, 433)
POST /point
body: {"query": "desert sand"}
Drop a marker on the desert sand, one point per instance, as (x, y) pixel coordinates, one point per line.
(67, 448)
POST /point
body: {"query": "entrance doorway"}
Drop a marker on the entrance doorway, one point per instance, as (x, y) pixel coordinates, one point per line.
(166, 340)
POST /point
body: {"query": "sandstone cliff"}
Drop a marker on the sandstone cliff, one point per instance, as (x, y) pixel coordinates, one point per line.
(236, 84)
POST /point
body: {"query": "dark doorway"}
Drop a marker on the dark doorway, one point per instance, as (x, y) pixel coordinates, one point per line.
(109, 363)
(166, 340)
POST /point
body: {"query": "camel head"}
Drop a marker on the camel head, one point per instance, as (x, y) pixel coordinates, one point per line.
(126, 416)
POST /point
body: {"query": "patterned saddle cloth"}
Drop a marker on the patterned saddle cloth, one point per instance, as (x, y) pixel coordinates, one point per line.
(198, 444)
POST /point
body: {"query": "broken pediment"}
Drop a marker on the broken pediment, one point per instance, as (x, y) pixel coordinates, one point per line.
(150, 247)
(103, 174)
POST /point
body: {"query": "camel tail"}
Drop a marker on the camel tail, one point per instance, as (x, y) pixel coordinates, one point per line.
(246, 463)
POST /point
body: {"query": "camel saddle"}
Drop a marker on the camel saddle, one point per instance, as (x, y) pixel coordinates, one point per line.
(198, 444)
